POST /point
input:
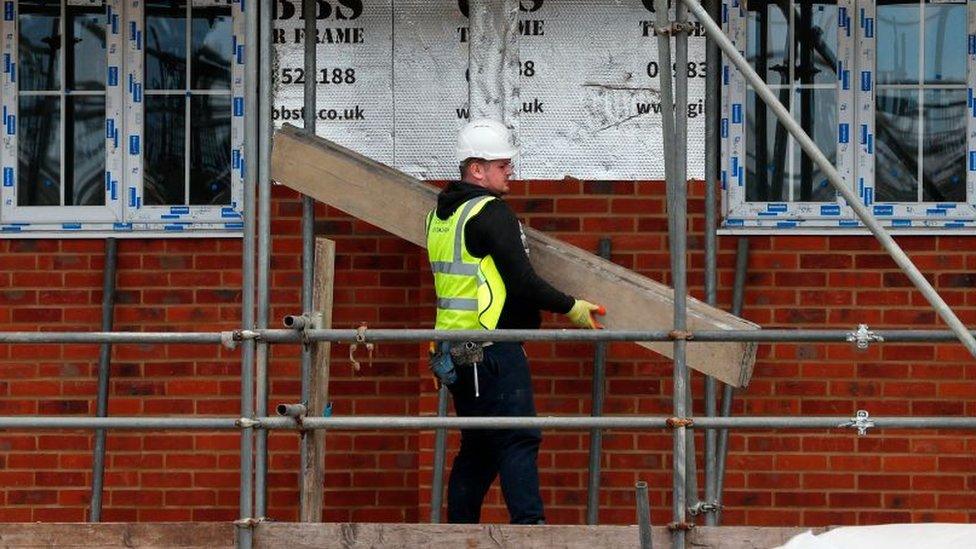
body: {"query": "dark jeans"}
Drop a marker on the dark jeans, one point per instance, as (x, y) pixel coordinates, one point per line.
(505, 389)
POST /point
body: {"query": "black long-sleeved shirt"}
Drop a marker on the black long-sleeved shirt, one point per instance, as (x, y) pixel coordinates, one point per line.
(495, 231)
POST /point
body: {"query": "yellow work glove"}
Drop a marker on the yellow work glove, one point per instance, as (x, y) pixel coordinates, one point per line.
(582, 313)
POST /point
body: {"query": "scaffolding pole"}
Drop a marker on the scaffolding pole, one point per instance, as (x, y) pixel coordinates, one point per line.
(415, 423)
(246, 513)
(104, 374)
(308, 228)
(712, 95)
(265, 128)
(236, 337)
(674, 168)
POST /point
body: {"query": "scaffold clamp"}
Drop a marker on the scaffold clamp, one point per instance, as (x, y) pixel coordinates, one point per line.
(675, 526)
(676, 422)
(247, 423)
(862, 422)
(703, 507)
(248, 523)
(863, 337)
(231, 339)
(675, 28)
(682, 335)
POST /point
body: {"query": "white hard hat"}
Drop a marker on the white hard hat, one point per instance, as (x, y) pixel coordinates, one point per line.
(486, 139)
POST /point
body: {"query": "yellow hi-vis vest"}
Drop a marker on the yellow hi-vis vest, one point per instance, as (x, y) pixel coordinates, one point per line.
(470, 291)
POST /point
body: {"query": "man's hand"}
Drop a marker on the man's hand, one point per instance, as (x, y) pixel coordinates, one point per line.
(582, 313)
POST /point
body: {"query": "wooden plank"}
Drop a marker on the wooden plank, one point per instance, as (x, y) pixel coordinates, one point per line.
(430, 536)
(185, 534)
(434, 536)
(313, 475)
(398, 203)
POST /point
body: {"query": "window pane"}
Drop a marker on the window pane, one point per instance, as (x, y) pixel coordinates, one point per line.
(896, 146)
(944, 142)
(766, 150)
(40, 45)
(84, 150)
(767, 43)
(210, 149)
(816, 111)
(945, 43)
(898, 41)
(165, 45)
(212, 48)
(85, 42)
(164, 180)
(816, 42)
(39, 163)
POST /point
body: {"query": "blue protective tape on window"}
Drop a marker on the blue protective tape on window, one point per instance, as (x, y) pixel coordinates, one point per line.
(179, 210)
(780, 208)
(113, 76)
(173, 227)
(786, 224)
(71, 226)
(8, 177)
(233, 226)
(869, 27)
(901, 222)
(884, 209)
(845, 133)
(133, 144)
(122, 226)
(865, 81)
(829, 209)
(8, 11)
(936, 212)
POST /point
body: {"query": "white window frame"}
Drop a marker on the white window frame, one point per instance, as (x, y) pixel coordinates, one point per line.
(855, 138)
(123, 213)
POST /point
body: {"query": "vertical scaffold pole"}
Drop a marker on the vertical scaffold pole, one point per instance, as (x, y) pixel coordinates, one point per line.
(245, 531)
(104, 373)
(712, 94)
(308, 226)
(676, 229)
(264, 129)
(596, 435)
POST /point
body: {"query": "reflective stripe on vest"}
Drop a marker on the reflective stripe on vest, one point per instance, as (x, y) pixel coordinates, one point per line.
(470, 290)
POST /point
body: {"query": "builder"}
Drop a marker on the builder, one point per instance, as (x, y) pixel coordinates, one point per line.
(484, 280)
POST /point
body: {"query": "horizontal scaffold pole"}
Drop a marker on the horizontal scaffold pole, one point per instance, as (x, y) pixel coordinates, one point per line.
(403, 423)
(231, 338)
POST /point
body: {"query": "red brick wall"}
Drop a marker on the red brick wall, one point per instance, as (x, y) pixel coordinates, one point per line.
(783, 477)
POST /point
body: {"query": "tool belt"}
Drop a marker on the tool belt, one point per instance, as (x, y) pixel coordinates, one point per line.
(446, 356)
